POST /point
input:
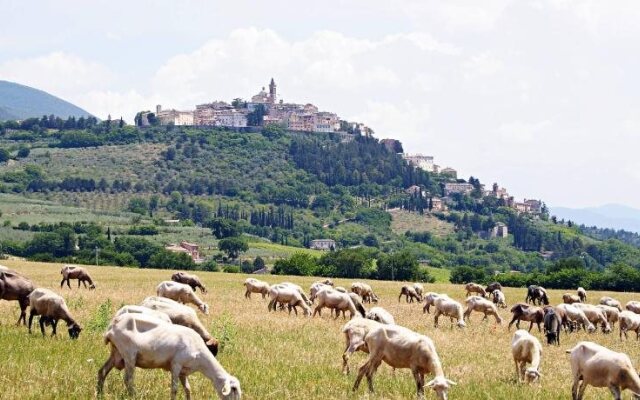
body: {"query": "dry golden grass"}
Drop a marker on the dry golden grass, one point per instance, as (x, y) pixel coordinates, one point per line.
(403, 221)
(274, 355)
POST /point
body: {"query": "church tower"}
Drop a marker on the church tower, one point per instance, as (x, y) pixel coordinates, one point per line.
(272, 91)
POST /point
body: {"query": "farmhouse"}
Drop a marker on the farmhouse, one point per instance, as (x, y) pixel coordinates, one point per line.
(192, 249)
(322, 244)
(454, 187)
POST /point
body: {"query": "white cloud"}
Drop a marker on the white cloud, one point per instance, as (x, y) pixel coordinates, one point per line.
(521, 132)
(481, 65)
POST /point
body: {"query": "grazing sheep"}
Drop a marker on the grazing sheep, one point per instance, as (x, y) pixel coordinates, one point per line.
(449, 308)
(430, 300)
(139, 340)
(182, 294)
(253, 285)
(578, 316)
(419, 289)
(287, 294)
(357, 301)
(595, 316)
(482, 305)
(475, 288)
(611, 302)
(611, 313)
(338, 301)
(132, 309)
(315, 288)
(569, 298)
(327, 281)
(598, 366)
(180, 314)
(526, 348)
(15, 287)
(552, 324)
(537, 293)
(629, 321)
(51, 308)
(365, 291)
(633, 306)
(299, 289)
(80, 273)
(189, 279)
(493, 286)
(582, 294)
(355, 331)
(499, 299)
(410, 294)
(527, 313)
(402, 348)
(381, 315)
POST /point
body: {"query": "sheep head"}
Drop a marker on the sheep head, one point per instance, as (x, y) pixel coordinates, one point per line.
(231, 389)
(532, 375)
(212, 345)
(92, 286)
(204, 308)
(74, 331)
(440, 385)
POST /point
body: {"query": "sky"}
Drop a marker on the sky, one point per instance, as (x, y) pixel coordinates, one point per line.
(541, 96)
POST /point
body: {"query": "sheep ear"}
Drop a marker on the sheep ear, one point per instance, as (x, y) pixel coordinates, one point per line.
(226, 389)
(450, 382)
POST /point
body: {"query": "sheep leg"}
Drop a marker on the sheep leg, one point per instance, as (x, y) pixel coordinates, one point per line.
(574, 388)
(351, 348)
(69, 282)
(41, 322)
(175, 380)
(581, 390)
(615, 391)
(129, 372)
(33, 313)
(104, 371)
(530, 326)
(419, 378)
(186, 386)
(435, 318)
(62, 282)
(318, 310)
(517, 370)
(54, 324)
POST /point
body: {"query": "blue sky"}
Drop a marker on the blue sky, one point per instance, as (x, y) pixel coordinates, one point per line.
(541, 95)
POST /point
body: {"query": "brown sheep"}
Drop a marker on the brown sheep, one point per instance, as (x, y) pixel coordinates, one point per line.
(15, 287)
(51, 308)
(527, 313)
(189, 279)
(475, 288)
(569, 298)
(80, 273)
(410, 294)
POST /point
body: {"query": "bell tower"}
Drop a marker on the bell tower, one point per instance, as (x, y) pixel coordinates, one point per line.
(272, 91)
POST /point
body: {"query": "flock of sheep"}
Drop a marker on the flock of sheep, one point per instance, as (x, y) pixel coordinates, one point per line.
(163, 332)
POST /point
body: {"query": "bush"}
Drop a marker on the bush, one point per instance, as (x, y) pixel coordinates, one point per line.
(298, 264)
(232, 269)
(401, 266)
(233, 246)
(466, 274)
(143, 230)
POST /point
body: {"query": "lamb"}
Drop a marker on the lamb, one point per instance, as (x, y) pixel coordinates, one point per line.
(611, 313)
(474, 288)
(181, 293)
(410, 294)
(537, 293)
(633, 306)
(355, 331)
(419, 289)
(337, 301)
(611, 302)
(526, 348)
(430, 300)
(283, 293)
(139, 340)
(499, 298)
(80, 273)
(51, 308)
(595, 316)
(381, 315)
(598, 366)
(480, 304)
(582, 294)
(527, 313)
(180, 314)
(400, 347)
(15, 287)
(189, 279)
(253, 285)
(552, 324)
(493, 286)
(576, 314)
(629, 321)
(569, 298)
(449, 308)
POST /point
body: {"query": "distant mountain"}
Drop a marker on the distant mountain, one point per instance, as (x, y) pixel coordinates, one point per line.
(615, 216)
(20, 102)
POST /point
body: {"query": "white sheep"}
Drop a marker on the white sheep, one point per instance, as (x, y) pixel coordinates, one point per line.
(449, 308)
(180, 314)
(526, 348)
(381, 315)
(629, 321)
(315, 288)
(181, 293)
(482, 305)
(595, 365)
(330, 298)
(595, 315)
(253, 285)
(133, 309)
(611, 302)
(419, 289)
(139, 340)
(499, 299)
(355, 331)
(287, 294)
(577, 315)
(51, 308)
(299, 289)
(611, 313)
(400, 347)
(430, 299)
(633, 306)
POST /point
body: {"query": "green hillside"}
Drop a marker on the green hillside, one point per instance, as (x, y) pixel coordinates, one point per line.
(114, 186)
(21, 102)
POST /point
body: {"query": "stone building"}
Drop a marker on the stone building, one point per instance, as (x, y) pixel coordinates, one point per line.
(322, 244)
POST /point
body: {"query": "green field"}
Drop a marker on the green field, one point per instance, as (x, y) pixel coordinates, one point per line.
(275, 356)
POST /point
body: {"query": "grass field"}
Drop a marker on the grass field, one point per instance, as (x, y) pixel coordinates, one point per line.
(274, 355)
(403, 221)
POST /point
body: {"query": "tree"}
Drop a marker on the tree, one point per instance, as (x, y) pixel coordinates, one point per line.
(466, 274)
(401, 265)
(233, 246)
(138, 205)
(23, 152)
(258, 263)
(224, 228)
(255, 117)
(298, 264)
(4, 155)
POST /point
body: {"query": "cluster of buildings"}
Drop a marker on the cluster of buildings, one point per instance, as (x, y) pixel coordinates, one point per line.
(191, 249)
(265, 108)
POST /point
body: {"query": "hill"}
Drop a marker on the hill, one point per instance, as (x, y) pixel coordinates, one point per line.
(614, 216)
(21, 102)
